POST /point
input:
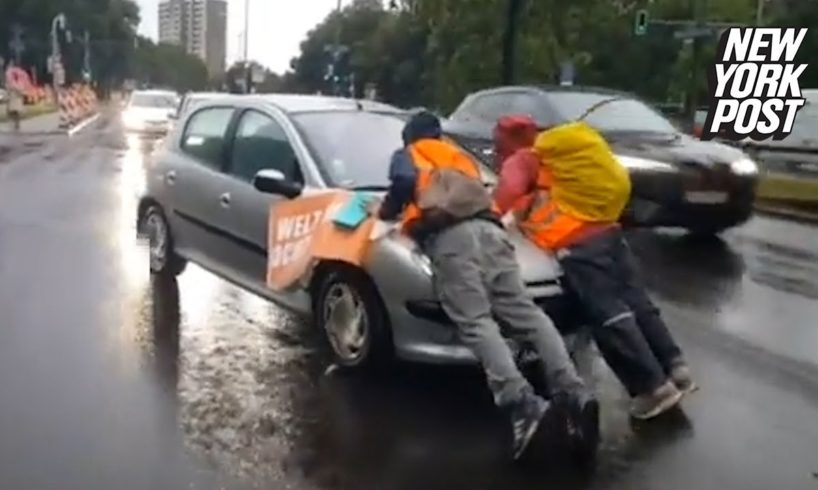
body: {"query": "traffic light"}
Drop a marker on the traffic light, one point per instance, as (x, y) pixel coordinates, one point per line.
(641, 26)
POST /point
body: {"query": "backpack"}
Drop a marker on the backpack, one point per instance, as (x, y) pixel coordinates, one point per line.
(589, 183)
(451, 194)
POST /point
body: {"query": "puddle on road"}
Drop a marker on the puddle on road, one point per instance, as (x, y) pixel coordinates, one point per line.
(702, 272)
(241, 397)
(784, 268)
(251, 395)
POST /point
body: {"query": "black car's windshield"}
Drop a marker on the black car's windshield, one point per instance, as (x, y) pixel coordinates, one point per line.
(621, 114)
(353, 148)
(159, 101)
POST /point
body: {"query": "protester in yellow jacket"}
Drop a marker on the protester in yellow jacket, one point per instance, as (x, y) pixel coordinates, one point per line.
(567, 192)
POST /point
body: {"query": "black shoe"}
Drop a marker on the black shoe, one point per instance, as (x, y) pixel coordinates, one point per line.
(526, 416)
(582, 425)
(588, 441)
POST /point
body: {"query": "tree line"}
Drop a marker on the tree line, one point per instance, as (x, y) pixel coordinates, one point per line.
(425, 52)
(116, 52)
(433, 52)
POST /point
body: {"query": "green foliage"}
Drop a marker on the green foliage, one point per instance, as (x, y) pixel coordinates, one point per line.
(433, 52)
(165, 65)
(115, 54)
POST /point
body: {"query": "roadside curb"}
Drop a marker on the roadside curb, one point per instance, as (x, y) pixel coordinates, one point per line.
(82, 125)
(785, 212)
(55, 132)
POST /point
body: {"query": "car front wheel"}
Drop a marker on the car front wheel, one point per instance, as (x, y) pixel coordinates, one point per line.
(163, 259)
(351, 314)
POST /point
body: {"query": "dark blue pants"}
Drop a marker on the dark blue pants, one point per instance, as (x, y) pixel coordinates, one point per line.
(627, 327)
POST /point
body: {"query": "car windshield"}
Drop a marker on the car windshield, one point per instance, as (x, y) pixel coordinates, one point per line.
(353, 148)
(160, 101)
(625, 114)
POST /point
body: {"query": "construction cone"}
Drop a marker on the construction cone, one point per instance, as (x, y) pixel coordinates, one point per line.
(63, 103)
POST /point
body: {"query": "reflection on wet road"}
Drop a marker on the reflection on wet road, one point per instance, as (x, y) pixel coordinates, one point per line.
(193, 382)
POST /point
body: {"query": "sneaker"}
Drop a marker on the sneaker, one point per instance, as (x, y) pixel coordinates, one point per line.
(650, 405)
(525, 419)
(681, 377)
(583, 426)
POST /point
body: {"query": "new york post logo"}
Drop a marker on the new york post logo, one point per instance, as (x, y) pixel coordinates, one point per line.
(754, 90)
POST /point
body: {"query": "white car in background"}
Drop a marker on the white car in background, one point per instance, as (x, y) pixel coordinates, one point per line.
(150, 111)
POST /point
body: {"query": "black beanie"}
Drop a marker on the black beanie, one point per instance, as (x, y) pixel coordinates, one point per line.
(421, 125)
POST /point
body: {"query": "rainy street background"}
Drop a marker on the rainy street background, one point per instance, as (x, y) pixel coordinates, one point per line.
(109, 379)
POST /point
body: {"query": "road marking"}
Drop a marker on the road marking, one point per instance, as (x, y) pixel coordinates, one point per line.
(79, 127)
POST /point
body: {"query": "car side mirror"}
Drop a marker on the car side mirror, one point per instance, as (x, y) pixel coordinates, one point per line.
(272, 181)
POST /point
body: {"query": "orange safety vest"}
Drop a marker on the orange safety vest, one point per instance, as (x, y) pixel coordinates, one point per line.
(542, 222)
(429, 155)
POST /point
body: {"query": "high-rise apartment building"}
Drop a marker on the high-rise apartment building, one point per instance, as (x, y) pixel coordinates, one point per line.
(198, 26)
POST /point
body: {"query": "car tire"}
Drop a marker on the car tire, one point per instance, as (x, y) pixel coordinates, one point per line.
(162, 257)
(353, 318)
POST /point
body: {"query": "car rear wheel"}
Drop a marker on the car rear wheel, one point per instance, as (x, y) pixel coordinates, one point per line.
(351, 314)
(162, 258)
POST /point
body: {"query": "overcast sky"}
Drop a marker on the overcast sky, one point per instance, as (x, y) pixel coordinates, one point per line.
(277, 27)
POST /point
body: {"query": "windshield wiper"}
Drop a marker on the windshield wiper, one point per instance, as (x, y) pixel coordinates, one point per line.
(599, 104)
(372, 188)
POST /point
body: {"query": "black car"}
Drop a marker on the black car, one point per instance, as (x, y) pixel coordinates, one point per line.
(678, 181)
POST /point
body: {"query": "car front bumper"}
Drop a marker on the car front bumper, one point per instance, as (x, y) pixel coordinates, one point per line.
(422, 332)
(662, 200)
(147, 127)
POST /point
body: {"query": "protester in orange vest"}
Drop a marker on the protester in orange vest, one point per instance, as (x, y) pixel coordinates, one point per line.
(436, 189)
(600, 268)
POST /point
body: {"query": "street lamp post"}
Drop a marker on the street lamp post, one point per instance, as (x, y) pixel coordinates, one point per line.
(247, 77)
(59, 22)
(759, 11)
(510, 41)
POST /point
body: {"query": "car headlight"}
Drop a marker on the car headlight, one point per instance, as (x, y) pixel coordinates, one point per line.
(423, 262)
(744, 166)
(636, 163)
(130, 118)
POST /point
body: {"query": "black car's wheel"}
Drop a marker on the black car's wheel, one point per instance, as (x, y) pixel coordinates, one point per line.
(351, 314)
(163, 259)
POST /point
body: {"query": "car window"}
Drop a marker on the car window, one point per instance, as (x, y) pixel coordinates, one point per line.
(160, 101)
(490, 107)
(204, 135)
(354, 149)
(530, 104)
(261, 143)
(620, 114)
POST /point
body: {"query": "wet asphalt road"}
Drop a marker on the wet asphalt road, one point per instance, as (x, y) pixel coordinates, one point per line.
(109, 379)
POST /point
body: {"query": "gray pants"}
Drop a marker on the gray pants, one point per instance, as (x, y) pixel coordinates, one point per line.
(477, 278)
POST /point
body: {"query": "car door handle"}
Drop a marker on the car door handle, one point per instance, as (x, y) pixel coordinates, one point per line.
(224, 200)
(170, 177)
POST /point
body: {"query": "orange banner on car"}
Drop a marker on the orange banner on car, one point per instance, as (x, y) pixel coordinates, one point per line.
(301, 233)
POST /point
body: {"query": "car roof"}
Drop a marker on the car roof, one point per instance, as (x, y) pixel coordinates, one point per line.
(155, 92)
(554, 89)
(202, 95)
(299, 103)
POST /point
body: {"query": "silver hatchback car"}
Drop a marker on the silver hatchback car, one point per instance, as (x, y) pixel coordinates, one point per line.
(203, 204)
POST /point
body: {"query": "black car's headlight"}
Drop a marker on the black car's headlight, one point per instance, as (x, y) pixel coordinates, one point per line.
(636, 163)
(744, 166)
